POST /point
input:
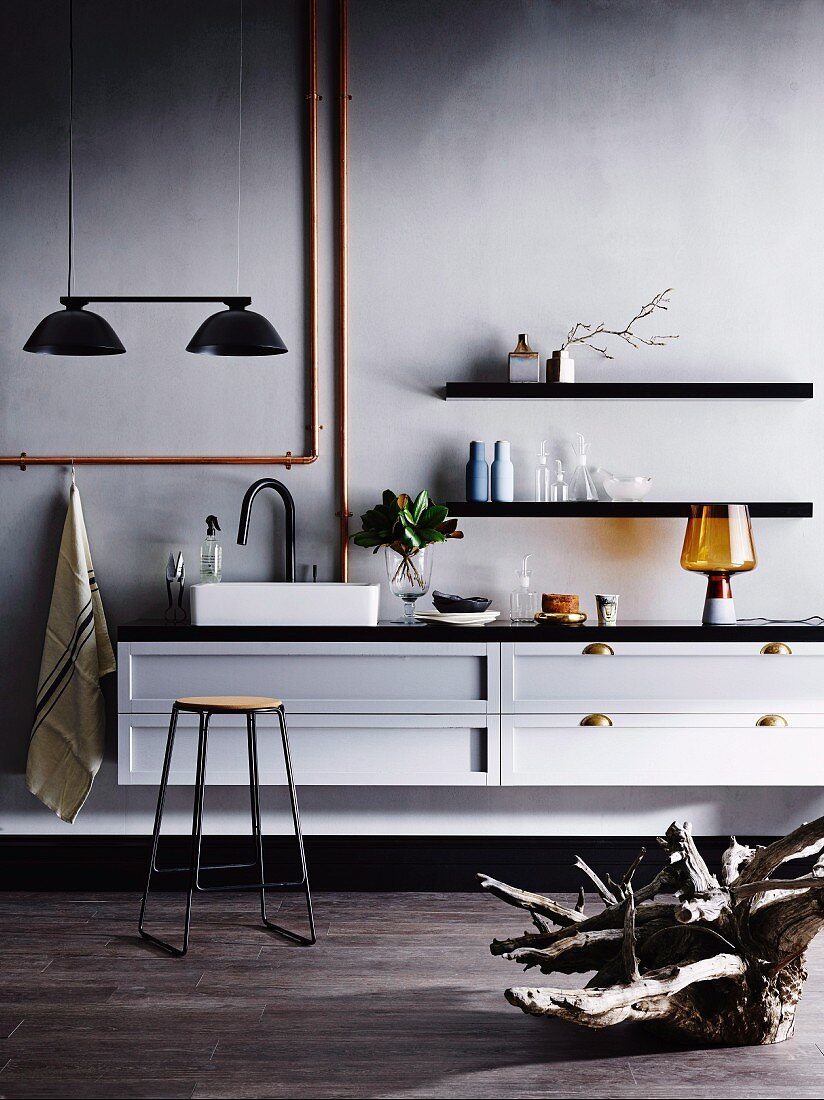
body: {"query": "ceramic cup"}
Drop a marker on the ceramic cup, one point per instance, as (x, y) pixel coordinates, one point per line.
(607, 609)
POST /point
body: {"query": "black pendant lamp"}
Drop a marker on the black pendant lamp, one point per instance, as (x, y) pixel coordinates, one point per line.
(236, 331)
(73, 331)
(76, 331)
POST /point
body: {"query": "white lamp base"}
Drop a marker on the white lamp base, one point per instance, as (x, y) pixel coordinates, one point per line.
(719, 612)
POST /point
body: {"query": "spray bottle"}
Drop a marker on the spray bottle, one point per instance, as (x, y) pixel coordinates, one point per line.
(211, 554)
(523, 602)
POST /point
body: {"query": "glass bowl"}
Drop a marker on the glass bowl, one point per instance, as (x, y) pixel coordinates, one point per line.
(625, 489)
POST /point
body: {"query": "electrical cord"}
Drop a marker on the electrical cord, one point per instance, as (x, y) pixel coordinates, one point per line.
(239, 138)
(69, 278)
(812, 620)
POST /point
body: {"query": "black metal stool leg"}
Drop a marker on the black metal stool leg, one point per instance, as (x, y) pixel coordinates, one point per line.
(254, 782)
(197, 831)
(161, 799)
(254, 799)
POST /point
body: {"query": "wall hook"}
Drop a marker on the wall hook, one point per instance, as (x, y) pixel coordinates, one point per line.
(23, 465)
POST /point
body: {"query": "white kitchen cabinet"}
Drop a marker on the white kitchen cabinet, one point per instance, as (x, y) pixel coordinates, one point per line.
(665, 677)
(479, 713)
(661, 750)
(368, 714)
(313, 677)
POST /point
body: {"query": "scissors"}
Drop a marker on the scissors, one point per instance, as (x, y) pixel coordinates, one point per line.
(175, 571)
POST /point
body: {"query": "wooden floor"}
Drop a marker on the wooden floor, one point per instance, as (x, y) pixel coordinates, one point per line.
(400, 998)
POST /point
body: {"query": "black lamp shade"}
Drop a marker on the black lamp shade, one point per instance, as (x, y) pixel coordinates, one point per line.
(73, 331)
(236, 331)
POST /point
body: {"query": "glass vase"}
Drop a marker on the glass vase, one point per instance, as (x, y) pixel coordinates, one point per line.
(409, 575)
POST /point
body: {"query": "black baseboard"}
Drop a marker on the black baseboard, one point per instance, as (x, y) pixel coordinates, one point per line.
(363, 863)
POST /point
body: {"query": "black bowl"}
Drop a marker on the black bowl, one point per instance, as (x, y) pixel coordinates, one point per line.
(459, 605)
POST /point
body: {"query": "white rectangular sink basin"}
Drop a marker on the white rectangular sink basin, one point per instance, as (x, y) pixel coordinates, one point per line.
(285, 604)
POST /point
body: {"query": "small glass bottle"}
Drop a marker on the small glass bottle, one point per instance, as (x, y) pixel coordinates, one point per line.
(524, 363)
(560, 489)
(523, 602)
(582, 487)
(542, 480)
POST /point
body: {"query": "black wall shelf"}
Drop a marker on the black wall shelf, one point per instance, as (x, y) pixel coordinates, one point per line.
(603, 509)
(628, 391)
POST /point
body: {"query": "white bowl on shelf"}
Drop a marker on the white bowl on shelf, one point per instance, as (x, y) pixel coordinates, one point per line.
(626, 489)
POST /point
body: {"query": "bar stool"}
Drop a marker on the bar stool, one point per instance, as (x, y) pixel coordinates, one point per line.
(205, 707)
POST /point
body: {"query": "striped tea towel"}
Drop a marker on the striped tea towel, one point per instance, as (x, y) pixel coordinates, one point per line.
(68, 736)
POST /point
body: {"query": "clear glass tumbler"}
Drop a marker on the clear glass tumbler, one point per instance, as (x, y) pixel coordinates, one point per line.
(409, 575)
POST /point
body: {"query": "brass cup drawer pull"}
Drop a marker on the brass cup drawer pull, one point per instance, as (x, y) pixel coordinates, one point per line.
(776, 647)
(600, 648)
(772, 720)
(596, 720)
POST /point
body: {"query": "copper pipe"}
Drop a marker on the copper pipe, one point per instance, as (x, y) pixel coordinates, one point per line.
(313, 427)
(343, 288)
(314, 99)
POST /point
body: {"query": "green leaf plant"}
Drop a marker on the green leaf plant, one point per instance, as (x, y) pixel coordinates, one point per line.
(406, 526)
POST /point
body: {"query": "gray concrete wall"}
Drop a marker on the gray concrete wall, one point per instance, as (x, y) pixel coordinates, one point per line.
(515, 165)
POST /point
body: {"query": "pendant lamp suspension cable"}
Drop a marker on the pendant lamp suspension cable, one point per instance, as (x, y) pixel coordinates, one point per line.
(70, 276)
(239, 139)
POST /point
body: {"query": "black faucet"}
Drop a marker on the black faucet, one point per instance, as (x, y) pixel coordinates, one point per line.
(289, 531)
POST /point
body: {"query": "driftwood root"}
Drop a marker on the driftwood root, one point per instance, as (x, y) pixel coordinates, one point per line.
(722, 963)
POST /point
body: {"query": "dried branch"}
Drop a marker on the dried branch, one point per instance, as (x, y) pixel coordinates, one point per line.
(648, 998)
(581, 902)
(782, 930)
(665, 882)
(779, 885)
(583, 333)
(607, 918)
(691, 867)
(574, 955)
(734, 859)
(806, 840)
(706, 907)
(524, 899)
(542, 925)
(606, 895)
(628, 956)
(633, 867)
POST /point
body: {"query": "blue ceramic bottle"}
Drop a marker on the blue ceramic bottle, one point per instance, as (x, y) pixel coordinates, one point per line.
(503, 472)
(477, 472)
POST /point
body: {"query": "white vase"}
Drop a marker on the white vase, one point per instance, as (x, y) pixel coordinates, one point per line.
(560, 368)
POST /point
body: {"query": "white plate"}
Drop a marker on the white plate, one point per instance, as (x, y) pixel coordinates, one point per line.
(458, 619)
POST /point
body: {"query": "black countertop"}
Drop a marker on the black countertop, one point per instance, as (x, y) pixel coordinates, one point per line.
(154, 630)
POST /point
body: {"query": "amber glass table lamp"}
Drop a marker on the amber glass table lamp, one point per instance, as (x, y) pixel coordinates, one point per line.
(718, 542)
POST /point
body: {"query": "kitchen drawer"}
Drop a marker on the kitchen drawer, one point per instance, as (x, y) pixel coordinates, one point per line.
(662, 750)
(365, 749)
(660, 677)
(314, 678)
